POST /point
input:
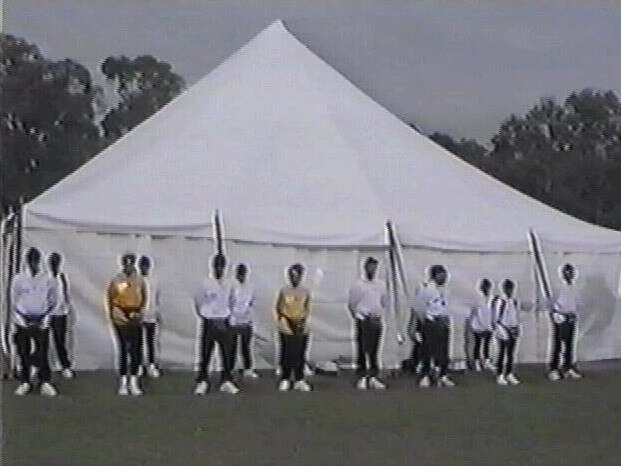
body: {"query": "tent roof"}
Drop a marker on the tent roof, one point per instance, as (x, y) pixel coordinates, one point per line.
(292, 153)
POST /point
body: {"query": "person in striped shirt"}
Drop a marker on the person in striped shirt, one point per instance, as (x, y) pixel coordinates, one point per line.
(292, 314)
(242, 316)
(482, 322)
(563, 313)
(63, 314)
(34, 295)
(126, 297)
(507, 331)
(367, 304)
(212, 306)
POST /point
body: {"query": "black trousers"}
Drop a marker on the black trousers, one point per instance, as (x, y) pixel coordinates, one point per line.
(435, 345)
(292, 351)
(563, 341)
(506, 354)
(150, 330)
(215, 331)
(242, 334)
(368, 335)
(59, 333)
(129, 339)
(32, 348)
(481, 342)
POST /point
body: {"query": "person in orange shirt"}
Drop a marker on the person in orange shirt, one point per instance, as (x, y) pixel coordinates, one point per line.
(292, 312)
(126, 298)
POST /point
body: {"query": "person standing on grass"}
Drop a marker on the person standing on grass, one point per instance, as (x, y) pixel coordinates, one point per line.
(432, 297)
(482, 321)
(292, 313)
(507, 331)
(242, 316)
(151, 318)
(367, 304)
(34, 295)
(63, 314)
(563, 313)
(212, 306)
(126, 299)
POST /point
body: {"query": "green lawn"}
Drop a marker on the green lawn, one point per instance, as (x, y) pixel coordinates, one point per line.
(538, 422)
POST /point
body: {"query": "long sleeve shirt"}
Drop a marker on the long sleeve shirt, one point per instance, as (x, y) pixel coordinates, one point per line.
(212, 300)
(506, 312)
(61, 285)
(431, 301)
(127, 294)
(241, 302)
(152, 301)
(293, 309)
(368, 298)
(482, 317)
(33, 297)
(565, 300)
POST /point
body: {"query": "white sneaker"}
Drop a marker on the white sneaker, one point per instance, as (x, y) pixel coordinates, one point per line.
(554, 375)
(501, 380)
(512, 379)
(362, 383)
(284, 385)
(201, 388)
(134, 386)
(251, 374)
(47, 389)
(477, 366)
(574, 374)
(23, 389)
(302, 386)
(445, 381)
(123, 389)
(376, 384)
(229, 387)
(153, 371)
(308, 371)
(489, 365)
(67, 373)
(425, 382)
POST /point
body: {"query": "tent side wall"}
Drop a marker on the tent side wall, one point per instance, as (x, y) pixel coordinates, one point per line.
(91, 259)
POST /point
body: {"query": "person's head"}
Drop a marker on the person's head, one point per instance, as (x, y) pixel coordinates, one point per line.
(485, 286)
(438, 274)
(508, 287)
(144, 264)
(295, 274)
(54, 260)
(568, 273)
(218, 265)
(241, 272)
(128, 263)
(33, 259)
(370, 267)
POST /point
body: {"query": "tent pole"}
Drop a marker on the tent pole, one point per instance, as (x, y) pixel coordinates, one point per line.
(393, 280)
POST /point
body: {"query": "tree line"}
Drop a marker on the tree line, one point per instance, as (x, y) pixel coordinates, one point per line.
(54, 119)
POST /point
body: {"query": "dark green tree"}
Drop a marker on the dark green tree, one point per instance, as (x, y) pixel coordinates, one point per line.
(144, 85)
(47, 119)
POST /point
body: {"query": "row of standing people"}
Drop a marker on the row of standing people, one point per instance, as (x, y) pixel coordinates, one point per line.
(225, 315)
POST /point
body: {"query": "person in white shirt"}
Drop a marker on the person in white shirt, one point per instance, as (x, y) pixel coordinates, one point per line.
(211, 303)
(507, 331)
(63, 314)
(151, 317)
(367, 305)
(34, 296)
(242, 316)
(481, 322)
(563, 313)
(432, 305)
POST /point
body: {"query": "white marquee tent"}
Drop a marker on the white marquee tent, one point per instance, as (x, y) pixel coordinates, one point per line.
(303, 167)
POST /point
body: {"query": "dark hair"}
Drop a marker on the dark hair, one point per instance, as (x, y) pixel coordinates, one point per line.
(218, 261)
(370, 260)
(297, 267)
(508, 285)
(128, 257)
(33, 255)
(568, 267)
(435, 270)
(55, 258)
(485, 284)
(241, 268)
(144, 261)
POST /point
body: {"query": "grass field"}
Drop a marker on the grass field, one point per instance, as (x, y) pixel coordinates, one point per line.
(478, 422)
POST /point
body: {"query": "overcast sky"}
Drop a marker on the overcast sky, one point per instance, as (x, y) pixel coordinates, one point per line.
(456, 66)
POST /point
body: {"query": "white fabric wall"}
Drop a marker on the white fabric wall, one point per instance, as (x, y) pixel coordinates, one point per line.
(181, 263)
